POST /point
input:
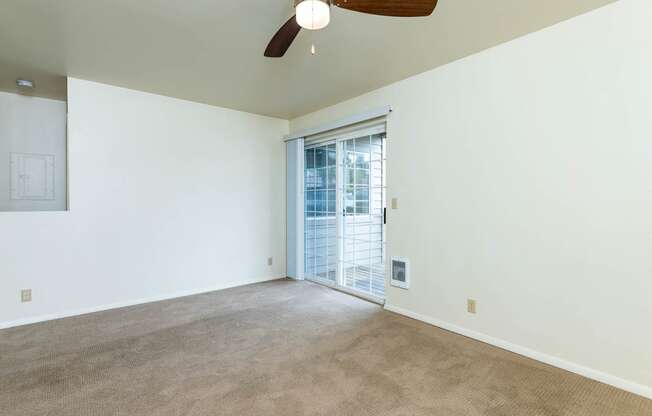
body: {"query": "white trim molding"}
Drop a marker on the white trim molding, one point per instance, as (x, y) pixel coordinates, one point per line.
(587, 372)
(134, 302)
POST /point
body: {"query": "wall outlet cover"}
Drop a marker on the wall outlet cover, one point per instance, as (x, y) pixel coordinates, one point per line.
(26, 295)
(472, 306)
(270, 261)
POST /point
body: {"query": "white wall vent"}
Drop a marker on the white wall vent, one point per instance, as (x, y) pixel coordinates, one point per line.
(400, 272)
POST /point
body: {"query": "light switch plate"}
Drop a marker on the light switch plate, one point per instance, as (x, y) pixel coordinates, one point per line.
(26, 295)
(394, 203)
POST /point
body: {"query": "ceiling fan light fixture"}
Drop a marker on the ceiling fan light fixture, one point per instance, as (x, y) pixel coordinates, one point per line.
(316, 14)
(313, 14)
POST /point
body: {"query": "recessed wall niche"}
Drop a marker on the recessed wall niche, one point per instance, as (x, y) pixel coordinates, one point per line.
(33, 156)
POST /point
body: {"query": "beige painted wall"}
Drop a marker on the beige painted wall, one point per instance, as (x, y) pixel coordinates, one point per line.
(524, 178)
(167, 198)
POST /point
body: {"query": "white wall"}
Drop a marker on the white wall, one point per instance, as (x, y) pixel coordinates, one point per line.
(167, 197)
(32, 125)
(524, 178)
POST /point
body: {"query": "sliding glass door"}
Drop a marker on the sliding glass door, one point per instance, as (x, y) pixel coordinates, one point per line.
(344, 193)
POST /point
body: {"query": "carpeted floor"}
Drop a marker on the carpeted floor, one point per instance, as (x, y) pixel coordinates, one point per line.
(279, 348)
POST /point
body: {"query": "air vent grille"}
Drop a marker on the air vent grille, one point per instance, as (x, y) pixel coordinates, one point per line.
(400, 272)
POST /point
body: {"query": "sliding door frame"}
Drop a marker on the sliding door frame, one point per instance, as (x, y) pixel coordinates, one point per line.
(378, 127)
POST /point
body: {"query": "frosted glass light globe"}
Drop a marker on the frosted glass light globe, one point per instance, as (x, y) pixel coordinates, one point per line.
(313, 14)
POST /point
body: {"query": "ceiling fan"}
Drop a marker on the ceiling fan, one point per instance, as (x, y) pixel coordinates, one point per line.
(315, 15)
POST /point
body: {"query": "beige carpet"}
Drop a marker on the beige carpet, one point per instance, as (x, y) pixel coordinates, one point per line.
(278, 348)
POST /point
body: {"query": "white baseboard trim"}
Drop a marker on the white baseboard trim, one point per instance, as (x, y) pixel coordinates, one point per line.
(116, 305)
(587, 372)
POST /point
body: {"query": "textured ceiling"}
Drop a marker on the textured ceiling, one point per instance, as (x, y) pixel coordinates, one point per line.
(211, 51)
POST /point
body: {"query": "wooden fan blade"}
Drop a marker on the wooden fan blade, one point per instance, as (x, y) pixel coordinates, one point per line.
(282, 40)
(398, 8)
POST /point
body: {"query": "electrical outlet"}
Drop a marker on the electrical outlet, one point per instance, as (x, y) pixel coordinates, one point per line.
(394, 203)
(270, 261)
(471, 306)
(26, 295)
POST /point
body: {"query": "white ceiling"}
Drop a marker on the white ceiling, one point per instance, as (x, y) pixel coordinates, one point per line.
(211, 51)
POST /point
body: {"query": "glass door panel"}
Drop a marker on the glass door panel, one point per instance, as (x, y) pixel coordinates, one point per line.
(363, 208)
(320, 221)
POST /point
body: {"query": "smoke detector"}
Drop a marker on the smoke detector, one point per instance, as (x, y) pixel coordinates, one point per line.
(25, 83)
